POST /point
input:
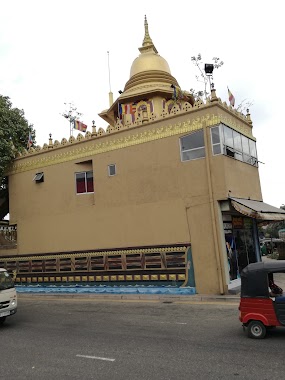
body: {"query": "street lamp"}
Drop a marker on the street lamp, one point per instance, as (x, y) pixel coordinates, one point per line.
(209, 68)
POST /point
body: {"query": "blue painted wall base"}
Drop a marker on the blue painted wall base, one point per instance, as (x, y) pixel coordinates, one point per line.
(79, 289)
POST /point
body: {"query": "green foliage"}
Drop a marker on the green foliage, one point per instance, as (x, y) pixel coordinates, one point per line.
(272, 229)
(14, 133)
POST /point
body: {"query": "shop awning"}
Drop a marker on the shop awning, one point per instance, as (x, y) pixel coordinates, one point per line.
(257, 209)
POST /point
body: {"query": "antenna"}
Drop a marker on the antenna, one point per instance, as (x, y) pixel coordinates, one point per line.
(109, 72)
(72, 114)
(110, 92)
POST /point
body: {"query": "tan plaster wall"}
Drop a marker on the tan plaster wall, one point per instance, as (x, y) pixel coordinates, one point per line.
(144, 204)
(154, 199)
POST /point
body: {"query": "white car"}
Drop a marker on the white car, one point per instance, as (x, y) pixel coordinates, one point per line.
(8, 296)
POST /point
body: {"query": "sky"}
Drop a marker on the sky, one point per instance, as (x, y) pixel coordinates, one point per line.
(55, 52)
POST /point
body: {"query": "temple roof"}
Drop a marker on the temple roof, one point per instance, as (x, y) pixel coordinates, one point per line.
(149, 59)
(149, 76)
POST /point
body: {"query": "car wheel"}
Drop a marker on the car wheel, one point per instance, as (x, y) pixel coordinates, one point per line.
(256, 330)
(2, 320)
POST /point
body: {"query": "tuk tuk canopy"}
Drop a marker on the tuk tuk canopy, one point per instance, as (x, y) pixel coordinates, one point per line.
(254, 278)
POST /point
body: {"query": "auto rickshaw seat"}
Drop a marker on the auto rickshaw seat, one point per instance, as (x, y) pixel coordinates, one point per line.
(280, 299)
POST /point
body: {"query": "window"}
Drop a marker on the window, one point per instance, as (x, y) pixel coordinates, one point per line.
(192, 146)
(233, 144)
(84, 182)
(39, 177)
(112, 169)
(216, 143)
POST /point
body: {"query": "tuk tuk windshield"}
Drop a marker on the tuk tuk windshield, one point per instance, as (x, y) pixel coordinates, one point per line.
(6, 281)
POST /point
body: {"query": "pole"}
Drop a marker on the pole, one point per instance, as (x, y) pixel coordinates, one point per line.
(109, 73)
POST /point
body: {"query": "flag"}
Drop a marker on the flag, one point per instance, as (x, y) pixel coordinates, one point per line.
(128, 109)
(231, 98)
(30, 141)
(120, 111)
(76, 124)
(174, 96)
(178, 94)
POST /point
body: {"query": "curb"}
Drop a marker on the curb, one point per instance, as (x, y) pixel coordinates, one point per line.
(134, 297)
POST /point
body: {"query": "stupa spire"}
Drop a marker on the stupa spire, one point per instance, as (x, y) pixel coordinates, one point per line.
(147, 41)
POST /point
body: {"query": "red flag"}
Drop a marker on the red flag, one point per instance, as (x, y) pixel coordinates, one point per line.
(79, 126)
(129, 109)
(231, 98)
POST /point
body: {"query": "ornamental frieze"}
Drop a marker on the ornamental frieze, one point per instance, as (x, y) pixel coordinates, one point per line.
(53, 157)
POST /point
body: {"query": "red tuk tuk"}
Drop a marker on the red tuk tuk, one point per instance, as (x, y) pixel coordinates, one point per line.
(260, 308)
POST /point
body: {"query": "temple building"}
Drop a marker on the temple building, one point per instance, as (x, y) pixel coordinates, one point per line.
(168, 194)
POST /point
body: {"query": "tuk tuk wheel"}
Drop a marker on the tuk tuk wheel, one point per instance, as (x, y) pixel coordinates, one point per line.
(256, 330)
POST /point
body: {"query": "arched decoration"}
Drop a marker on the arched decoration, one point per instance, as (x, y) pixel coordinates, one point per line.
(187, 106)
(170, 104)
(100, 132)
(45, 147)
(164, 113)
(175, 109)
(145, 105)
(56, 144)
(110, 129)
(72, 139)
(80, 137)
(88, 135)
(38, 148)
(118, 125)
(64, 141)
(198, 104)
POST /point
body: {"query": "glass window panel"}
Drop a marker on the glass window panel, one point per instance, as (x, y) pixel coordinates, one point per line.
(193, 154)
(252, 147)
(238, 156)
(245, 144)
(246, 158)
(112, 170)
(90, 186)
(80, 183)
(237, 140)
(228, 136)
(195, 140)
(217, 149)
(89, 175)
(215, 135)
(89, 182)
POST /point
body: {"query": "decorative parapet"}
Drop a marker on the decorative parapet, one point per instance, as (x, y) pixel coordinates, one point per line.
(98, 146)
(233, 118)
(171, 109)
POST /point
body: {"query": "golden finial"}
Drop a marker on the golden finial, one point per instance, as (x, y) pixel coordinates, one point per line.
(94, 132)
(147, 41)
(50, 144)
(248, 118)
(213, 93)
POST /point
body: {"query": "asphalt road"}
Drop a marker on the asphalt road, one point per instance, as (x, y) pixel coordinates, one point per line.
(58, 338)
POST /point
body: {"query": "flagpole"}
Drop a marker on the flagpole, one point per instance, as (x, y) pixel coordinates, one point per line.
(111, 100)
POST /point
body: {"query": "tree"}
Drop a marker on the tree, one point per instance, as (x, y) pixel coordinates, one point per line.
(14, 135)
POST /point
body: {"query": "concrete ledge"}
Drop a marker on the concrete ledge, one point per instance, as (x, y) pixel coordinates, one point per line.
(134, 297)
